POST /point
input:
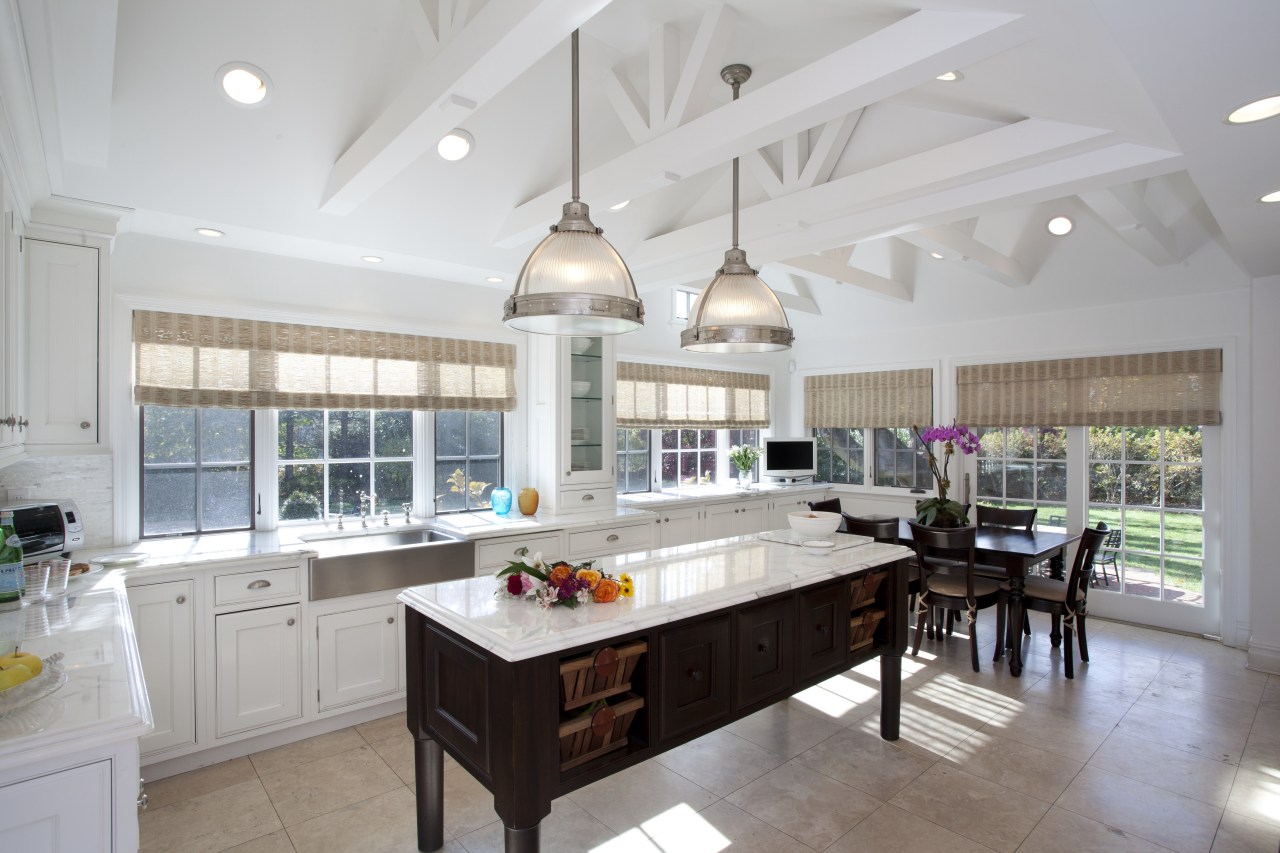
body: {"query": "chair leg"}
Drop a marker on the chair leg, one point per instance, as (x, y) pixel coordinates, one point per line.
(924, 610)
(1084, 642)
(973, 640)
(1002, 613)
(1026, 624)
(1066, 649)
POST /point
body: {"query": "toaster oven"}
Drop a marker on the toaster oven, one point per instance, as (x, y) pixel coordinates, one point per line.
(47, 527)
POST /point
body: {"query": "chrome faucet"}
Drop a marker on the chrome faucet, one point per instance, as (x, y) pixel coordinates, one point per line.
(386, 518)
(366, 507)
(407, 507)
(339, 521)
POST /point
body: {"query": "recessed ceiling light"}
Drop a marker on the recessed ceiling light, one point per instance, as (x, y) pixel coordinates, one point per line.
(455, 144)
(1270, 198)
(244, 84)
(950, 76)
(210, 232)
(1255, 110)
(1060, 226)
(620, 204)
(371, 259)
(935, 255)
(493, 279)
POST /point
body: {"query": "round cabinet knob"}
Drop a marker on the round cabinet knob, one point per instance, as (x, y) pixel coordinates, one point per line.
(143, 801)
(695, 674)
(85, 425)
(666, 519)
(291, 622)
(762, 646)
(822, 629)
(182, 599)
(391, 620)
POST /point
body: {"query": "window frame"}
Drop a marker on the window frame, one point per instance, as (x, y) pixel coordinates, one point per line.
(724, 474)
(1035, 460)
(500, 458)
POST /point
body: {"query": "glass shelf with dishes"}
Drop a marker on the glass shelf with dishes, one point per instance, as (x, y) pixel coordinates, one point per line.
(586, 398)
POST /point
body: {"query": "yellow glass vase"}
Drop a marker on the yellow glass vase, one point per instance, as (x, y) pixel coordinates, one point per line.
(528, 500)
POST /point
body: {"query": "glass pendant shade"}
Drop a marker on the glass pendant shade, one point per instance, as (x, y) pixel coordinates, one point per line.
(737, 312)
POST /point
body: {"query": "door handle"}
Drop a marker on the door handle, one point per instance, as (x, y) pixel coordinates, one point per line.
(259, 584)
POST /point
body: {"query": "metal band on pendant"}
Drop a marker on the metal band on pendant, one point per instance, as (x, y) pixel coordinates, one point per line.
(768, 335)
(579, 304)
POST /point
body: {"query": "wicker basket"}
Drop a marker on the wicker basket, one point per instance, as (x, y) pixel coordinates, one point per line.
(601, 675)
(590, 736)
(862, 628)
(862, 589)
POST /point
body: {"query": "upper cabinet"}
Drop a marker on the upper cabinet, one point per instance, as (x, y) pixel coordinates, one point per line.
(13, 412)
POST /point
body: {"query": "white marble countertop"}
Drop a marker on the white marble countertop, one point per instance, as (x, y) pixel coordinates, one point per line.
(713, 494)
(104, 699)
(670, 584)
(485, 525)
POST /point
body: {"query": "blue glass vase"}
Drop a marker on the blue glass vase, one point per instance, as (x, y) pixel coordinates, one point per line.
(500, 499)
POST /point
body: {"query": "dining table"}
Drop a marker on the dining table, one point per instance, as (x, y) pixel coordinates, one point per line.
(1017, 551)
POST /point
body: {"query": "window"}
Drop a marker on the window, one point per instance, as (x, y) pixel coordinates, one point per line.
(197, 470)
(468, 453)
(745, 436)
(328, 460)
(899, 460)
(633, 461)
(1025, 467)
(1149, 483)
(895, 455)
(688, 457)
(840, 455)
(682, 303)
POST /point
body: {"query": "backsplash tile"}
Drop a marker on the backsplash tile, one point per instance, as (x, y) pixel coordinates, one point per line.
(85, 479)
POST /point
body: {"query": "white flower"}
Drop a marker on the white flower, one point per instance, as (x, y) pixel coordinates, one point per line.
(534, 562)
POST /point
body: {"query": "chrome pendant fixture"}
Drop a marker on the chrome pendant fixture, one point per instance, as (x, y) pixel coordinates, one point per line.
(574, 282)
(737, 312)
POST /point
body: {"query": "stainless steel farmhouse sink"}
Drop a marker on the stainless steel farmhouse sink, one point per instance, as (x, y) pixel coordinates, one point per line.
(371, 562)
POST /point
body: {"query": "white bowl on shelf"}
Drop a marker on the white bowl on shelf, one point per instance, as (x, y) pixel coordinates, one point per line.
(817, 546)
(813, 524)
(580, 387)
(579, 345)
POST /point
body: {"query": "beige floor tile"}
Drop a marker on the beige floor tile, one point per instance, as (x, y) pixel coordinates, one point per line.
(1242, 684)
(981, 811)
(397, 752)
(384, 727)
(304, 751)
(717, 827)
(1166, 767)
(865, 761)
(468, 805)
(832, 707)
(1018, 766)
(721, 762)
(568, 828)
(933, 722)
(1133, 640)
(808, 806)
(1207, 739)
(327, 784)
(626, 800)
(889, 829)
(1256, 795)
(386, 823)
(1240, 834)
(1061, 831)
(1177, 822)
(1059, 731)
(210, 822)
(184, 786)
(1262, 750)
(861, 690)
(276, 842)
(1209, 653)
(784, 729)
(1202, 706)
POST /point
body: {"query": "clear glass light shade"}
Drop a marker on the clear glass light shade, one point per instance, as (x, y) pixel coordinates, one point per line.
(737, 312)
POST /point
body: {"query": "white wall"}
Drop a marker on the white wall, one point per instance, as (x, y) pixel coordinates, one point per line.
(1264, 533)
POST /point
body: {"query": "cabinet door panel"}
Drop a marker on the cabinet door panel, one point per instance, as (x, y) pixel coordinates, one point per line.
(695, 676)
(259, 668)
(164, 622)
(358, 655)
(679, 526)
(62, 343)
(763, 641)
(823, 628)
(64, 812)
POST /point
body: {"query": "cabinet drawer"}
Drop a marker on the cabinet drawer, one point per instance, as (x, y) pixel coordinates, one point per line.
(255, 586)
(580, 500)
(610, 540)
(496, 554)
(694, 672)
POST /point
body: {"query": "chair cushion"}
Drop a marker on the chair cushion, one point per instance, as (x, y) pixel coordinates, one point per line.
(953, 586)
(1049, 590)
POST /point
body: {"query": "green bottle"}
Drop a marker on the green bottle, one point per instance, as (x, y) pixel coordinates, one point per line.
(11, 576)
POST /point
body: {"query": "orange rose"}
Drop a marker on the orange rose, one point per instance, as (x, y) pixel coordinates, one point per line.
(560, 572)
(591, 576)
(606, 591)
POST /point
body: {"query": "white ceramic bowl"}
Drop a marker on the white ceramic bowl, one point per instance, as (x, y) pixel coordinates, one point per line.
(580, 387)
(580, 345)
(813, 524)
(817, 546)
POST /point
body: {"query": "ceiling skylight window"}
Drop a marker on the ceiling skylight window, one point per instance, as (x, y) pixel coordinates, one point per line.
(210, 232)
(244, 84)
(455, 145)
(1255, 111)
(1060, 226)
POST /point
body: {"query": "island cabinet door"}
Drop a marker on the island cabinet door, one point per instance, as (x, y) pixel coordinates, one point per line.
(763, 639)
(694, 663)
(823, 629)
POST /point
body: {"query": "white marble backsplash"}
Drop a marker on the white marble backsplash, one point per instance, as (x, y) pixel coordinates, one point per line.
(86, 479)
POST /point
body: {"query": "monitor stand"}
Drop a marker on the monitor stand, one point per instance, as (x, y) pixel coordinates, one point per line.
(793, 481)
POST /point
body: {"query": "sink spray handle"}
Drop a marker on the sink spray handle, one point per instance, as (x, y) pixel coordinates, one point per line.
(386, 518)
(407, 506)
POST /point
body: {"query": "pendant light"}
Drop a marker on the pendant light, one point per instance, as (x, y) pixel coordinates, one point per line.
(574, 282)
(737, 312)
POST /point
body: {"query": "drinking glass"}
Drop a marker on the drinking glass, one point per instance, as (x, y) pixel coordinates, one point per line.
(59, 571)
(37, 582)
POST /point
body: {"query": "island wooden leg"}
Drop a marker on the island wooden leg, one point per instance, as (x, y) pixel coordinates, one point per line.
(428, 772)
(890, 694)
(522, 840)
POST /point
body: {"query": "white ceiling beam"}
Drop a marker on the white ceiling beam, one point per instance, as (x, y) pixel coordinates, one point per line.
(1125, 210)
(706, 57)
(817, 165)
(664, 70)
(627, 104)
(950, 242)
(498, 46)
(422, 24)
(829, 265)
(902, 55)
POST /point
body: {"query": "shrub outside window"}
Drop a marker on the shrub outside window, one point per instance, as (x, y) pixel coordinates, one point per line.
(899, 460)
(326, 460)
(1024, 468)
(688, 457)
(197, 470)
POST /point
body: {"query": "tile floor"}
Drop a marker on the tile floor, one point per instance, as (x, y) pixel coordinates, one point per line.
(1162, 742)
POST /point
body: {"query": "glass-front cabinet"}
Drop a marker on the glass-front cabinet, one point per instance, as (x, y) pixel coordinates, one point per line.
(587, 444)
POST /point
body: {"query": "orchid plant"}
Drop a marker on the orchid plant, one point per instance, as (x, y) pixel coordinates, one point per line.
(952, 438)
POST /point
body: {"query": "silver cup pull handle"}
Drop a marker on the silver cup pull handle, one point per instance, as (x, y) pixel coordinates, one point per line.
(259, 584)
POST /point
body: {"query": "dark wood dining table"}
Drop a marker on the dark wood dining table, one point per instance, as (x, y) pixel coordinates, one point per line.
(1017, 551)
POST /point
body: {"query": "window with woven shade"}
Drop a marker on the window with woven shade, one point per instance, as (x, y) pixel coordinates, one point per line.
(659, 396)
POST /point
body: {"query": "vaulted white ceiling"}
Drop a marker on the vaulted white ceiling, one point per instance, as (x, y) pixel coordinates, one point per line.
(856, 162)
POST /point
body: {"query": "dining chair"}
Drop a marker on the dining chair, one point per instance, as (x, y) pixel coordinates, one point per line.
(956, 590)
(830, 505)
(1067, 601)
(1108, 552)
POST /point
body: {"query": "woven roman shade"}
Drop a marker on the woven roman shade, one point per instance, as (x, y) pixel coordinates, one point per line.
(884, 398)
(1152, 389)
(188, 360)
(657, 396)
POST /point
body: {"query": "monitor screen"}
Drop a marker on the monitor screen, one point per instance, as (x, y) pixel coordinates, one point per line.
(790, 457)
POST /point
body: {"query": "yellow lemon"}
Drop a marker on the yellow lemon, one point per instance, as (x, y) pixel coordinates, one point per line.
(30, 661)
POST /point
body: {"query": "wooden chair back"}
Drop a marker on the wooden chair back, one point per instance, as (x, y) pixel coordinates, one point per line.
(950, 544)
(1082, 566)
(995, 516)
(881, 528)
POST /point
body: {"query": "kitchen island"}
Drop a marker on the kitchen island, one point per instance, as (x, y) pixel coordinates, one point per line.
(536, 703)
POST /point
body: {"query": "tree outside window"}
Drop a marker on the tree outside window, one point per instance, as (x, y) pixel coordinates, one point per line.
(197, 470)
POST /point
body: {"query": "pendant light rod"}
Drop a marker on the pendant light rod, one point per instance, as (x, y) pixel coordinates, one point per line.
(574, 108)
(735, 76)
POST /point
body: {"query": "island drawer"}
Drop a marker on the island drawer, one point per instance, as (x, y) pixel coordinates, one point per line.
(255, 586)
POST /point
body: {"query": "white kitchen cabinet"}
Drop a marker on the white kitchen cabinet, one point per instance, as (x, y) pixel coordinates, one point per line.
(790, 502)
(358, 654)
(607, 541)
(13, 412)
(681, 525)
(737, 518)
(164, 622)
(258, 668)
(493, 555)
(62, 343)
(69, 811)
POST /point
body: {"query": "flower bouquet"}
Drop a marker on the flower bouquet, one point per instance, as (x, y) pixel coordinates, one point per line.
(561, 583)
(744, 458)
(940, 511)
